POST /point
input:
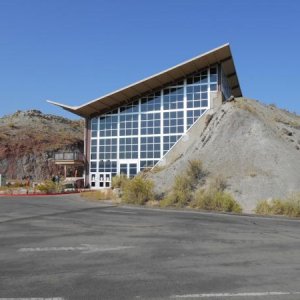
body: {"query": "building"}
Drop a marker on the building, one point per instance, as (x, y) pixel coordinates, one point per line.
(134, 127)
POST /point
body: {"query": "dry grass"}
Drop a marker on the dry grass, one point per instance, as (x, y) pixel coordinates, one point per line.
(184, 185)
(157, 169)
(218, 183)
(245, 106)
(181, 193)
(287, 207)
(119, 181)
(3, 188)
(106, 194)
(287, 122)
(152, 203)
(195, 171)
(214, 200)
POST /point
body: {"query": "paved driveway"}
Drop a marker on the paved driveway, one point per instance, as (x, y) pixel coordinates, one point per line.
(68, 248)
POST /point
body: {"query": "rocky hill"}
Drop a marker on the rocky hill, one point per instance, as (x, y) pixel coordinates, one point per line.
(255, 147)
(28, 140)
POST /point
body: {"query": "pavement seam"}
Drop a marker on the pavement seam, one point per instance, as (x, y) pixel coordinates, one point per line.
(56, 214)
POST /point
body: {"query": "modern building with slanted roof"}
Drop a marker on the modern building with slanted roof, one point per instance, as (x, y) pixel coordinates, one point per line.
(133, 128)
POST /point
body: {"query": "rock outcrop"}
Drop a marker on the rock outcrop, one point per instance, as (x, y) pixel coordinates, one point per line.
(255, 147)
(29, 139)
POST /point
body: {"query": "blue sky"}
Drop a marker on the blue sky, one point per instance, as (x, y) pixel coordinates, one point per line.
(73, 51)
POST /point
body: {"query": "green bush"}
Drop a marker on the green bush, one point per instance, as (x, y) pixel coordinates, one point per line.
(119, 181)
(289, 206)
(138, 190)
(217, 200)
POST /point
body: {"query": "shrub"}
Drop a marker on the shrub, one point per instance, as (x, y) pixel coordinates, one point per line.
(138, 190)
(12, 125)
(48, 186)
(212, 199)
(99, 195)
(263, 207)
(118, 181)
(218, 183)
(292, 205)
(16, 184)
(289, 206)
(195, 170)
(182, 191)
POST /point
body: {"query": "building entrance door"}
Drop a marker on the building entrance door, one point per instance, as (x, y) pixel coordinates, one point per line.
(94, 180)
(104, 180)
(128, 168)
(101, 180)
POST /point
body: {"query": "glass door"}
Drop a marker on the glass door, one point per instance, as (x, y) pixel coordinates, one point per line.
(100, 180)
(105, 180)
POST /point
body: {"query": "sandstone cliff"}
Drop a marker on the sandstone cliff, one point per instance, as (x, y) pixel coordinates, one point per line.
(29, 139)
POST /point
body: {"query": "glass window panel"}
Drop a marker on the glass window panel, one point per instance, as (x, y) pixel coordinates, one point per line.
(197, 89)
(213, 78)
(204, 88)
(189, 89)
(213, 70)
(190, 80)
(196, 79)
(204, 103)
(204, 79)
(213, 87)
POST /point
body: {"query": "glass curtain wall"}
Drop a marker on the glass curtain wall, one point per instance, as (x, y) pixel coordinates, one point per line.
(136, 136)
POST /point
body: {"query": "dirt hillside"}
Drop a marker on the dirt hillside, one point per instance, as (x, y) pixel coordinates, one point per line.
(256, 148)
(28, 140)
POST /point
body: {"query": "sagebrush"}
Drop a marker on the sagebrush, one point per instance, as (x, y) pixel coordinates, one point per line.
(215, 200)
(119, 181)
(289, 206)
(138, 190)
(48, 186)
(184, 185)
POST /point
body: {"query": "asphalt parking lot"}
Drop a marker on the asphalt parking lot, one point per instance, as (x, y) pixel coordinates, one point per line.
(63, 247)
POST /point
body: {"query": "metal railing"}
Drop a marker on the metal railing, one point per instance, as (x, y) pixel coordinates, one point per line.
(69, 156)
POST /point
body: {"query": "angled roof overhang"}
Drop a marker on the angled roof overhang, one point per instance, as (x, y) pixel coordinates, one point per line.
(131, 92)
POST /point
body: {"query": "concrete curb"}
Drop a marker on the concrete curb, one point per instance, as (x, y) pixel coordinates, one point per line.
(37, 195)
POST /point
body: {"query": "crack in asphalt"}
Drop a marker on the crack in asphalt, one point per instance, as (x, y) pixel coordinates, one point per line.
(56, 214)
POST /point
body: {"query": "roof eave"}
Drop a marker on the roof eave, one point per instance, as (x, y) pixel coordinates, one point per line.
(128, 93)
